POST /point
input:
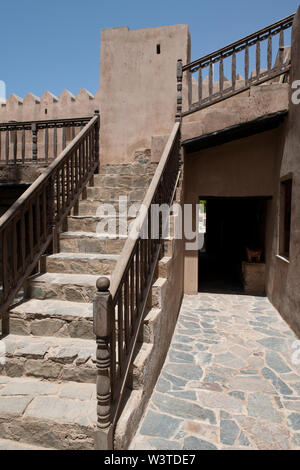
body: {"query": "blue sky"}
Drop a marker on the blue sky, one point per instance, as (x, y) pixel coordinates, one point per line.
(56, 45)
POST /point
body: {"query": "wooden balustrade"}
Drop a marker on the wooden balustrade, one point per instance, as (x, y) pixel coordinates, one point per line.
(37, 141)
(119, 311)
(238, 54)
(31, 225)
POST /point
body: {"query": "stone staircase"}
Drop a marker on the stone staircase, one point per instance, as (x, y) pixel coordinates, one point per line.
(47, 384)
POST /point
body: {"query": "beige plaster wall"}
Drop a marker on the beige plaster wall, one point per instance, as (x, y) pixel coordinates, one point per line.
(242, 168)
(138, 87)
(284, 279)
(49, 106)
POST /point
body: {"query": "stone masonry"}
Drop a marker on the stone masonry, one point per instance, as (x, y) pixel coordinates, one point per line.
(231, 380)
(47, 383)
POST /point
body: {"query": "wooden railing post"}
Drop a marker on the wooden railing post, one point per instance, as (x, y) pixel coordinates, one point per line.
(97, 129)
(103, 313)
(34, 141)
(179, 90)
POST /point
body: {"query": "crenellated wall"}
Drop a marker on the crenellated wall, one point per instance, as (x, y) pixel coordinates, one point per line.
(49, 106)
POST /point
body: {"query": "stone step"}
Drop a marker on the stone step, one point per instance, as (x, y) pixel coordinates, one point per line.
(89, 242)
(52, 318)
(128, 168)
(111, 181)
(108, 207)
(52, 415)
(158, 292)
(71, 287)
(94, 223)
(6, 444)
(83, 263)
(113, 194)
(50, 358)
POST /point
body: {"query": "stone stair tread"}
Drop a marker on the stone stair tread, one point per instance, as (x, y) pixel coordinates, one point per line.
(65, 235)
(94, 256)
(8, 444)
(98, 217)
(58, 348)
(62, 278)
(54, 308)
(33, 405)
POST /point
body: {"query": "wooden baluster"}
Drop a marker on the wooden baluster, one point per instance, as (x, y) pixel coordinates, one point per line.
(270, 52)
(15, 145)
(132, 297)
(14, 253)
(46, 144)
(190, 89)
(34, 142)
(72, 176)
(179, 90)
(38, 220)
(7, 146)
(200, 85)
(247, 65)
(121, 332)
(64, 138)
(5, 280)
(233, 71)
(103, 317)
(211, 79)
(30, 234)
(23, 145)
(221, 76)
(58, 192)
(44, 213)
(63, 187)
(137, 277)
(113, 351)
(73, 132)
(55, 142)
(281, 47)
(68, 180)
(80, 164)
(126, 312)
(258, 58)
(23, 244)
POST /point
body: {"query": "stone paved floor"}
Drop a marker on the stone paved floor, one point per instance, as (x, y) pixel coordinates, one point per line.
(228, 382)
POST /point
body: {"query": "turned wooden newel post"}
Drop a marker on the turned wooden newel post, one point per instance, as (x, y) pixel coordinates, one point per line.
(179, 91)
(34, 142)
(102, 330)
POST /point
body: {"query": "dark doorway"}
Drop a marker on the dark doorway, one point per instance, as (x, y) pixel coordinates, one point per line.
(232, 224)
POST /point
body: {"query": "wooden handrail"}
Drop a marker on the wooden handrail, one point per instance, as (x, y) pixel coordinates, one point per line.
(32, 224)
(119, 311)
(136, 226)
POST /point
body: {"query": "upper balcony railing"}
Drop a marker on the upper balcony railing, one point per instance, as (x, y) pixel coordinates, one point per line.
(37, 141)
(236, 59)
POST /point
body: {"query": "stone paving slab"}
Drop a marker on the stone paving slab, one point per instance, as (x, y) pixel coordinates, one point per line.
(230, 380)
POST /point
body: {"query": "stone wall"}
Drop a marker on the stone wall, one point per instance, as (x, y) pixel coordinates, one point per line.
(284, 281)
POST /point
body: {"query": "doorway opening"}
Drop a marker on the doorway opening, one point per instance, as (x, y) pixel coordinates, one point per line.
(229, 228)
